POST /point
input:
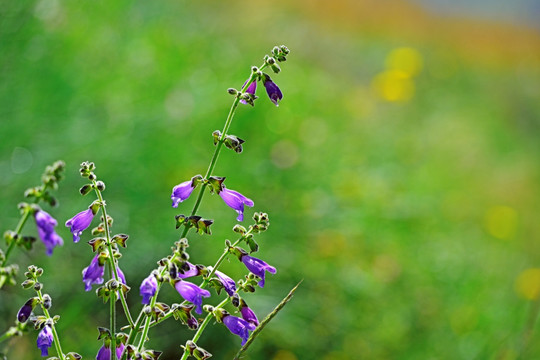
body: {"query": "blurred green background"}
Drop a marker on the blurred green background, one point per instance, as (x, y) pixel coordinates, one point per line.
(401, 170)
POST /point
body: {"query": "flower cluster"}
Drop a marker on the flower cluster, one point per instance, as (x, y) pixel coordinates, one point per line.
(175, 269)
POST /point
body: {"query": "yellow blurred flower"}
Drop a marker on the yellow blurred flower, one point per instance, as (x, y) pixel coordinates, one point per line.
(405, 59)
(393, 85)
(528, 284)
(501, 221)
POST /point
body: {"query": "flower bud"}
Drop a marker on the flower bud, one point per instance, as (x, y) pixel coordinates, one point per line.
(85, 189)
(216, 135)
(26, 310)
(239, 229)
(27, 284)
(73, 356)
(47, 301)
(201, 354)
(235, 300)
(232, 91)
(100, 185)
(190, 346)
(275, 68)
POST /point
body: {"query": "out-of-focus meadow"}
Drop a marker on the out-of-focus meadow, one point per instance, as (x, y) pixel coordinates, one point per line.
(401, 171)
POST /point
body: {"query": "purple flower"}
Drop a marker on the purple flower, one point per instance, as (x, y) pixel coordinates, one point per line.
(238, 327)
(25, 311)
(192, 293)
(249, 315)
(272, 90)
(192, 271)
(148, 288)
(258, 267)
(121, 275)
(93, 274)
(227, 282)
(181, 192)
(45, 225)
(250, 90)
(79, 223)
(104, 352)
(44, 340)
(236, 201)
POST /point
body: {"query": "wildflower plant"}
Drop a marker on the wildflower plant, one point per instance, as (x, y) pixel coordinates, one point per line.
(198, 286)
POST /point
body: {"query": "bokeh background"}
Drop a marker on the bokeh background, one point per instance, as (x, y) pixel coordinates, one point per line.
(401, 170)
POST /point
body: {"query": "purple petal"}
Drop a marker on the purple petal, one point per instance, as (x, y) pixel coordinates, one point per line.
(93, 274)
(227, 282)
(192, 293)
(24, 312)
(148, 288)
(249, 316)
(250, 89)
(273, 91)
(181, 192)
(236, 201)
(44, 340)
(45, 226)
(192, 271)
(79, 223)
(238, 327)
(258, 267)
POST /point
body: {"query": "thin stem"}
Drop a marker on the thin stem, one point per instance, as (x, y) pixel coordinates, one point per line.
(13, 243)
(112, 319)
(5, 336)
(18, 230)
(133, 333)
(111, 260)
(56, 341)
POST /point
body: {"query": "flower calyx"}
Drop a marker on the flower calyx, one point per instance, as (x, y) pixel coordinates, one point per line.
(197, 352)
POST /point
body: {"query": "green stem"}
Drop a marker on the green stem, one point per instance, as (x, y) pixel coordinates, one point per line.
(13, 243)
(209, 171)
(56, 341)
(111, 260)
(146, 324)
(133, 333)
(18, 230)
(5, 336)
(202, 326)
(112, 319)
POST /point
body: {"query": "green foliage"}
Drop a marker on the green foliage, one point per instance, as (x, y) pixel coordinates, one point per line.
(408, 220)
